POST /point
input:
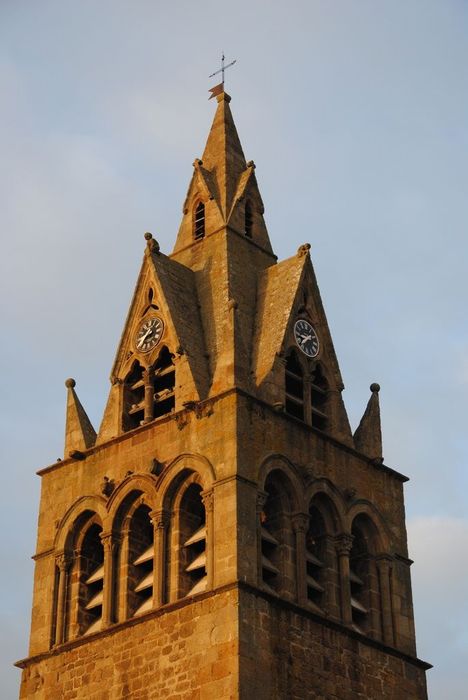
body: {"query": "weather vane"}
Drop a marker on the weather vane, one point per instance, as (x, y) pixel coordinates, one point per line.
(220, 88)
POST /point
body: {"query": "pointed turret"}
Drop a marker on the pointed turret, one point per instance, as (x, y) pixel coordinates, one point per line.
(79, 433)
(223, 190)
(368, 435)
(223, 155)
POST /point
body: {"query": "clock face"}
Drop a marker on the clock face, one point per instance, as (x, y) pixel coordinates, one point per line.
(306, 338)
(149, 334)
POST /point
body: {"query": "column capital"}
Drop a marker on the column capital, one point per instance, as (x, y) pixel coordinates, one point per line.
(343, 543)
(160, 519)
(110, 541)
(261, 500)
(207, 499)
(384, 560)
(300, 522)
(63, 561)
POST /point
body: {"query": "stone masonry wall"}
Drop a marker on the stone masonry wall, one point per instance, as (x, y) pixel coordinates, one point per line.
(286, 654)
(190, 652)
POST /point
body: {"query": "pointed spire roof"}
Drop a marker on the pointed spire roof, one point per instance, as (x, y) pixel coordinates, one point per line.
(223, 155)
(79, 433)
(368, 435)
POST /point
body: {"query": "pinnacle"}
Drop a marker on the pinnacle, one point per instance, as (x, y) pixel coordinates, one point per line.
(223, 154)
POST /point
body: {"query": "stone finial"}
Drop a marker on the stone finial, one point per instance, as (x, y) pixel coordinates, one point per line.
(368, 436)
(152, 243)
(79, 432)
(303, 250)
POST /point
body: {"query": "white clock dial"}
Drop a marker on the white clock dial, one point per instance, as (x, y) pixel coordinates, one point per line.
(149, 334)
(306, 338)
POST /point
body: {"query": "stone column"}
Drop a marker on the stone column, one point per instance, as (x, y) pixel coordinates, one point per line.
(149, 394)
(74, 586)
(62, 562)
(300, 523)
(208, 502)
(110, 543)
(122, 575)
(344, 542)
(160, 521)
(260, 504)
(384, 567)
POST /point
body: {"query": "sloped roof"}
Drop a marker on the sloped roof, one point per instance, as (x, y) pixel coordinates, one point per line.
(277, 289)
(178, 286)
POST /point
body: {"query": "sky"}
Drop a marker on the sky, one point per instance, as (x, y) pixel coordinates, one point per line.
(356, 115)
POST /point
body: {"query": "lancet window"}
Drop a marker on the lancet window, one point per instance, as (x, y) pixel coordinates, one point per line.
(164, 384)
(90, 575)
(362, 577)
(318, 399)
(294, 387)
(248, 221)
(199, 222)
(315, 558)
(140, 572)
(134, 398)
(277, 547)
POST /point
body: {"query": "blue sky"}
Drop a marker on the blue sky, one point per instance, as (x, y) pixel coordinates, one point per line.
(355, 113)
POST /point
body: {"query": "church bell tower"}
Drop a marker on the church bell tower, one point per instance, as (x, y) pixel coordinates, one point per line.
(223, 534)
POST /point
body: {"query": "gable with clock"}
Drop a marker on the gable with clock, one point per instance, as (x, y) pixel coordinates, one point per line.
(224, 534)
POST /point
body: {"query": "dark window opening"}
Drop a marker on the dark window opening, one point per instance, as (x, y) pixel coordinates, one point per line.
(315, 555)
(318, 398)
(164, 384)
(358, 579)
(199, 222)
(90, 593)
(134, 398)
(140, 563)
(294, 386)
(193, 574)
(248, 220)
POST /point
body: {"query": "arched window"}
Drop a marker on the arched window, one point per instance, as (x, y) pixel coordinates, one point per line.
(294, 387)
(199, 222)
(315, 558)
(192, 524)
(164, 384)
(278, 556)
(248, 222)
(140, 575)
(318, 399)
(89, 569)
(134, 398)
(365, 597)
(160, 382)
(186, 545)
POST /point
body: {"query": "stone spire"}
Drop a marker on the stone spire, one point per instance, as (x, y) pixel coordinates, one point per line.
(223, 155)
(79, 433)
(368, 435)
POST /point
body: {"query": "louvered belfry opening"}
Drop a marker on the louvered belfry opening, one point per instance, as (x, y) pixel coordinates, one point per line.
(91, 580)
(141, 574)
(164, 384)
(315, 558)
(248, 222)
(199, 222)
(192, 537)
(294, 387)
(277, 540)
(318, 398)
(134, 398)
(359, 578)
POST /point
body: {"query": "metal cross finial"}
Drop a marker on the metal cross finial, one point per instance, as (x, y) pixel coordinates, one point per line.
(223, 68)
